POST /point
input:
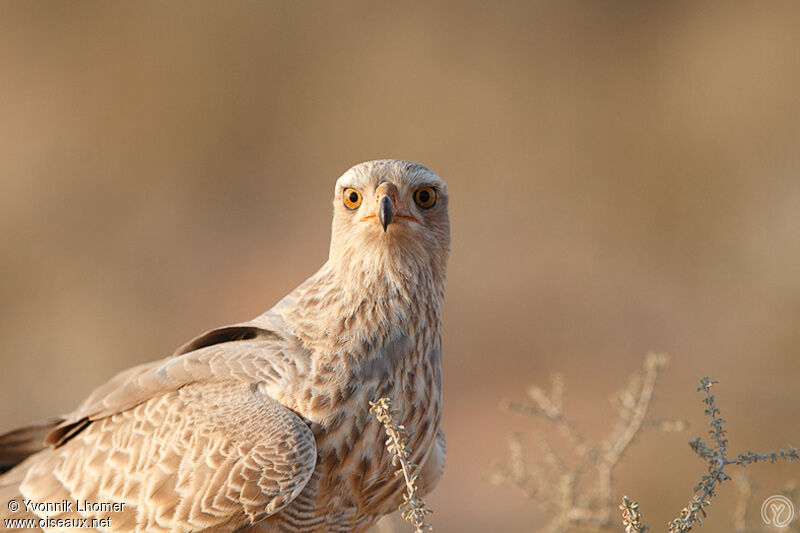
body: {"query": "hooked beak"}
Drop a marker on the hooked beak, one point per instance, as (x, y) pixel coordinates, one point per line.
(385, 211)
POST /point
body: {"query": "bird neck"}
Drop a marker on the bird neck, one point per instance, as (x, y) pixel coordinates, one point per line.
(356, 307)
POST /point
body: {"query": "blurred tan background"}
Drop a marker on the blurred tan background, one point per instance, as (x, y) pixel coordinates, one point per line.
(625, 177)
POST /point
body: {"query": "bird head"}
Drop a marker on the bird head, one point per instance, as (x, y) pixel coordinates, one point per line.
(390, 214)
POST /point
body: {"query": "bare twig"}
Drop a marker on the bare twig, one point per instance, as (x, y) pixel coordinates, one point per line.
(574, 500)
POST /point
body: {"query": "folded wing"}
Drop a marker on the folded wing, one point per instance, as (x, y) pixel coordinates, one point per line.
(220, 455)
(190, 442)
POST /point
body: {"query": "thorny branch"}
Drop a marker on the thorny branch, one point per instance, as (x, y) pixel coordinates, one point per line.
(717, 458)
(576, 502)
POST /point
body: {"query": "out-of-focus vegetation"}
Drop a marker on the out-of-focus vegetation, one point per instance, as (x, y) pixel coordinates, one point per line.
(624, 178)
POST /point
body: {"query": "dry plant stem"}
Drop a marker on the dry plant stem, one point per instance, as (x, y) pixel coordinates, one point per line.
(746, 498)
(627, 431)
(745, 485)
(717, 460)
(413, 509)
(574, 498)
(575, 502)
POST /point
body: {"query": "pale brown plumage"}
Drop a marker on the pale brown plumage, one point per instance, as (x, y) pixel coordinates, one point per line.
(264, 426)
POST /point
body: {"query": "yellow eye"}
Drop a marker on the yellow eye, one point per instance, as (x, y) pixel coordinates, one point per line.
(352, 198)
(425, 197)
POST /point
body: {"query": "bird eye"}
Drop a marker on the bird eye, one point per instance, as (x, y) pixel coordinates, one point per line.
(352, 198)
(425, 197)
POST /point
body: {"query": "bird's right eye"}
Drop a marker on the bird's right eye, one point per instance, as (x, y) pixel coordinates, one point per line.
(352, 198)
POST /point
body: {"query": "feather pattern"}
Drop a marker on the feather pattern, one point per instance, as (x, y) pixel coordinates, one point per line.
(264, 425)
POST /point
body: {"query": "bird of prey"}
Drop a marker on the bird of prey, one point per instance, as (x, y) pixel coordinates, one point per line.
(265, 425)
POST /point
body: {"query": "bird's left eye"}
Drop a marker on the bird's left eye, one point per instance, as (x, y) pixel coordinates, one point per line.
(425, 197)
(352, 198)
